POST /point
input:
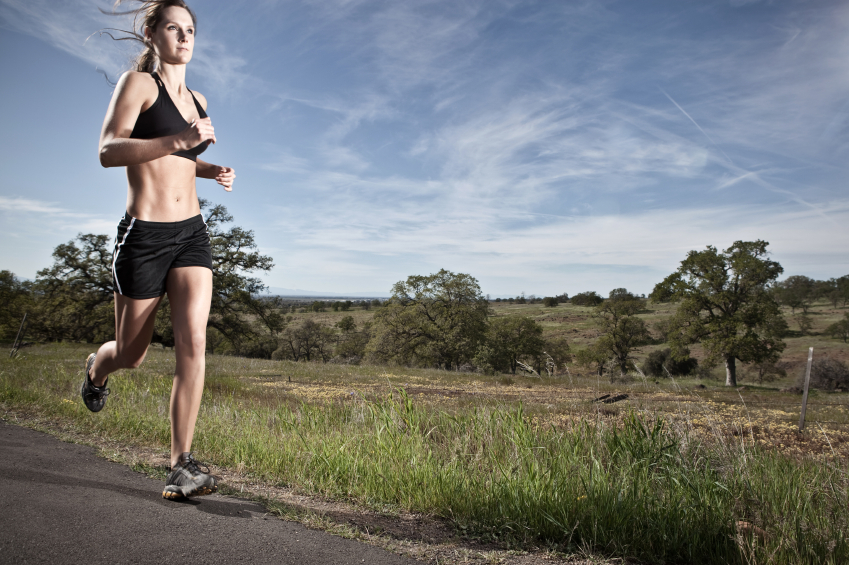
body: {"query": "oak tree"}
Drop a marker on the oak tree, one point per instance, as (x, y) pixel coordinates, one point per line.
(438, 320)
(74, 296)
(512, 339)
(725, 304)
(840, 329)
(16, 300)
(622, 331)
(248, 322)
(797, 291)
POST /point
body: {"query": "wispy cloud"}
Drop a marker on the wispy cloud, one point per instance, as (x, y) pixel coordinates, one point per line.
(21, 210)
(73, 26)
(66, 26)
(18, 205)
(575, 252)
(516, 139)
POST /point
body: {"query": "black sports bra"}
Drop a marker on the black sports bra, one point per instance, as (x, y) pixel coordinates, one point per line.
(163, 119)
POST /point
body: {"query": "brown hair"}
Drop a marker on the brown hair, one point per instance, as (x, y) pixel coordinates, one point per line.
(147, 14)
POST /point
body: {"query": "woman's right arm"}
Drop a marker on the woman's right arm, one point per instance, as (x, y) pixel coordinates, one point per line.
(116, 147)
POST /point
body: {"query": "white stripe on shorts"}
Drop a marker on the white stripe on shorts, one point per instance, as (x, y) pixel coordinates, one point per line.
(118, 250)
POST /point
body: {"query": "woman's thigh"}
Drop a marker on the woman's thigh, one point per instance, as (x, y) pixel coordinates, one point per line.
(189, 294)
(134, 321)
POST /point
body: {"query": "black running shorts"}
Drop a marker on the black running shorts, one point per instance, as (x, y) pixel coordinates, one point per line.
(146, 251)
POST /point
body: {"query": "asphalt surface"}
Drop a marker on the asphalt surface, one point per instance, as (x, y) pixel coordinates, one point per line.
(60, 503)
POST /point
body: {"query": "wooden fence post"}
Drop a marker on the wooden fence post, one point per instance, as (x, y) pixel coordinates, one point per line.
(19, 338)
(805, 393)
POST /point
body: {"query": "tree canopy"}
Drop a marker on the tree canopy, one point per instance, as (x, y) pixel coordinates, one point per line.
(16, 300)
(512, 339)
(73, 299)
(797, 291)
(248, 322)
(725, 304)
(437, 320)
(840, 328)
(622, 331)
(589, 298)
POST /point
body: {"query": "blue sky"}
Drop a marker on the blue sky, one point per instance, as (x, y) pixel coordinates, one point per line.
(543, 147)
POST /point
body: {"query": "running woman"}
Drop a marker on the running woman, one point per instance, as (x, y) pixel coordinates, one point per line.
(156, 127)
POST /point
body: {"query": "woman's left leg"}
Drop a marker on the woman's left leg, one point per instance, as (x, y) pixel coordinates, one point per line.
(190, 294)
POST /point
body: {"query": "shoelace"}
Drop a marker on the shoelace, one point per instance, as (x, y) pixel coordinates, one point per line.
(194, 467)
(96, 392)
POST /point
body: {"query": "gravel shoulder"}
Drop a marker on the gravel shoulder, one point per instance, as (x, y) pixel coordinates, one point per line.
(65, 502)
(60, 503)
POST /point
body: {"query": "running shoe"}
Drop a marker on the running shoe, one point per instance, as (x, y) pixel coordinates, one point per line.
(94, 397)
(189, 478)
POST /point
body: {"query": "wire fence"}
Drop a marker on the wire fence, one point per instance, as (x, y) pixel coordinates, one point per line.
(730, 400)
(787, 407)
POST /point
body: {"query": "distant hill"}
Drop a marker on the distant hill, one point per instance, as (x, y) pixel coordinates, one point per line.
(301, 293)
(298, 292)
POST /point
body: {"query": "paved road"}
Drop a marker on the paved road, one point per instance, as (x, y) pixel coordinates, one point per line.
(60, 503)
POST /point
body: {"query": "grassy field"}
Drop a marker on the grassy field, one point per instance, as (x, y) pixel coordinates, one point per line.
(575, 323)
(682, 471)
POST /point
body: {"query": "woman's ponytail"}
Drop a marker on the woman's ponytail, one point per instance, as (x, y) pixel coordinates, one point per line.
(146, 60)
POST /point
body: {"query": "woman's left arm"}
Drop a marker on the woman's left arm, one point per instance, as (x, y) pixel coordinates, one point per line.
(222, 175)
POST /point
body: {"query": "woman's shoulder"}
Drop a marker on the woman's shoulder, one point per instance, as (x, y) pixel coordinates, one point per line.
(200, 98)
(137, 84)
(136, 89)
(136, 79)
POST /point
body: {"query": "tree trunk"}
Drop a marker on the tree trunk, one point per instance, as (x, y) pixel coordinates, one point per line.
(730, 370)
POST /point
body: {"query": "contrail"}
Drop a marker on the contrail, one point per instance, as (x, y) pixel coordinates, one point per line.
(743, 173)
(689, 117)
(735, 180)
(683, 111)
(756, 178)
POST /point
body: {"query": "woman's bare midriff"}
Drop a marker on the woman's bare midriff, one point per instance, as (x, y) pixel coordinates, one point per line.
(162, 190)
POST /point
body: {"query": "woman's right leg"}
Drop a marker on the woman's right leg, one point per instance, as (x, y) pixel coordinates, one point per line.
(134, 320)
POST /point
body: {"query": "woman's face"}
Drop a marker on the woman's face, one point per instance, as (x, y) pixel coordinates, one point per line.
(174, 36)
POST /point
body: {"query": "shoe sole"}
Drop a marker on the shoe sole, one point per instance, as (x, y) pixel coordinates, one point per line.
(176, 495)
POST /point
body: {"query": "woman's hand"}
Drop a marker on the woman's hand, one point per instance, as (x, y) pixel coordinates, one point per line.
(225, 177)
(199, 131)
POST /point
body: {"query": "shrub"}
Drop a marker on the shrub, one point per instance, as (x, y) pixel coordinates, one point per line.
(704, 372)
(840, 330)
(827, 374)
(590, 298)
(767, 372)
(485, 360)
(549, 301)
(657, 360)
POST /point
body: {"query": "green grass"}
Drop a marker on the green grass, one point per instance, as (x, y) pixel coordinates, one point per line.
(638, 485)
